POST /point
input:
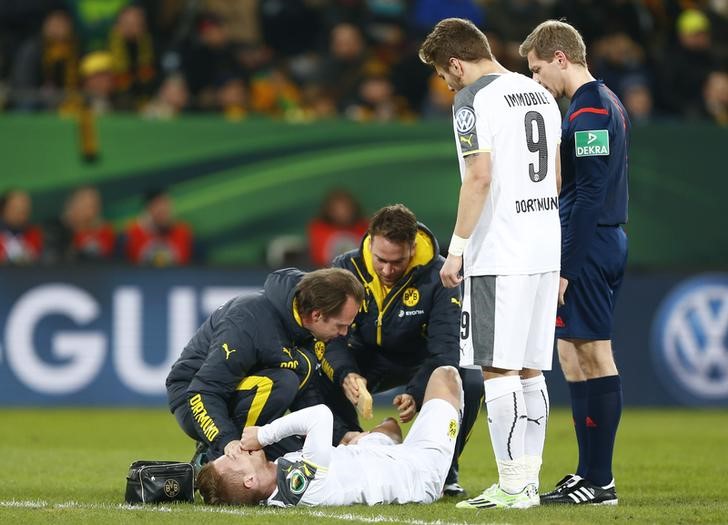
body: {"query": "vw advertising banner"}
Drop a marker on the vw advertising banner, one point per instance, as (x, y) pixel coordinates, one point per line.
(108, 336)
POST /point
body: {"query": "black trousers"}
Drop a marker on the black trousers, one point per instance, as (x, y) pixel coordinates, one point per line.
(260, 398)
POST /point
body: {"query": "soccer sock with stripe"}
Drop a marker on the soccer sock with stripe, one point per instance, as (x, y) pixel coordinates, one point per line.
(604, 410)
(578, 411)
(536, 397)
(507, 426)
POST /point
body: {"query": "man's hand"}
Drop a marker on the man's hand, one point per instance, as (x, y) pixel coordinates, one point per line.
(406, 406)
(563, 284)
(351, 386)
(352, 437)
(450, 271)
(233, 449)
(249, 441)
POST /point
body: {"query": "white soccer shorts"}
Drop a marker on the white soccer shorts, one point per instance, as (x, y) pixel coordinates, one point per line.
(509, 321)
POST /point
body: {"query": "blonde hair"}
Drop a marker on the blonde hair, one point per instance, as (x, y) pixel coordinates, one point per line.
(454, 38)
(552, 36)
(229, 490)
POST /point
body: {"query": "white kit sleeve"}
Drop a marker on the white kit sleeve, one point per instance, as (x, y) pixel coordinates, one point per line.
(316, 423)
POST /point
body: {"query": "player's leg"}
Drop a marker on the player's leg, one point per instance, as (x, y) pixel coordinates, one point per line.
(538, 357)
(472, 380)
(604, 407)
(445, 384)
(490, 302)
(586, 332)
(576, 380)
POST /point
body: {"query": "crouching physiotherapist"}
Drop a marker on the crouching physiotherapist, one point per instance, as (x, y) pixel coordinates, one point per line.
(251, 360)
(407, 327)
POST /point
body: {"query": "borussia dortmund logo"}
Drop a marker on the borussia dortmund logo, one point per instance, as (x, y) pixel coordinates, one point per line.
(411, 297)
(171, 488)
(319, 348)
(452, 429)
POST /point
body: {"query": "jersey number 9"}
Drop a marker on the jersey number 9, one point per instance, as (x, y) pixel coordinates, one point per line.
(536, 142)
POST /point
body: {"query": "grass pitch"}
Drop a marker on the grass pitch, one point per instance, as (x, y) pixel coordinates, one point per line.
(69, 466)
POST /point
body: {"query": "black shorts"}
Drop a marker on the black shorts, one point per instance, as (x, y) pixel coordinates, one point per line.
(590, 298)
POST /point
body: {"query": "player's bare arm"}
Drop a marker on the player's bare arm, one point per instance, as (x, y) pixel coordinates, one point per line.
(473, 192)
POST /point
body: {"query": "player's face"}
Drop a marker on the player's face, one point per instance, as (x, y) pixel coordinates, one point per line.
(243, 463)
(454, 81)
(390, 259)
(327, 328)
(548, 74)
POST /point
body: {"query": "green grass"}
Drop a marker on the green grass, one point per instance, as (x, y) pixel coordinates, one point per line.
(69, 466)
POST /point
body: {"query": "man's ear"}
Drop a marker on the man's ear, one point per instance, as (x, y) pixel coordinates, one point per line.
(561, 58)
(455, 66)
(250, 481)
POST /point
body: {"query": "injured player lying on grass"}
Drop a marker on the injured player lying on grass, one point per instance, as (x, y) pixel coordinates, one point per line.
(374, 468)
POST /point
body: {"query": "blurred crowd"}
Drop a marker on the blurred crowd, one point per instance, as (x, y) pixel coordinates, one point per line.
(82, 234)
(313, 59)
(155, 237)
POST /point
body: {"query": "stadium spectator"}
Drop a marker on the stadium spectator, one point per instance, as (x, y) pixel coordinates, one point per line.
(252, 360)
(95, 21)
(81, 233)
(509, 21)
(508, 254)
(20, 242)
(638, 100)
(155, 238)
(617, 58)
(689, 64)
(338, 227)
(45, 72)
(373, 471)
(344, 67)
(209, 62)
(172, 98)
(97, 75)
(273, 93)
(398, 264)
(592, 206)
(715, 95)
(133, 58)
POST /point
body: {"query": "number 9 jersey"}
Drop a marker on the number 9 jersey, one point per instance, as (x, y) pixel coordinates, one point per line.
(518, 123)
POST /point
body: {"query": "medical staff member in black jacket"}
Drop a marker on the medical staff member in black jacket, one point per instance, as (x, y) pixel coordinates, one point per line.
(408, 326)
(251, 360)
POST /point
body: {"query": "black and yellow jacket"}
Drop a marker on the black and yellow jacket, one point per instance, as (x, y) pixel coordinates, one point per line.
(416, 322)
(247, 334)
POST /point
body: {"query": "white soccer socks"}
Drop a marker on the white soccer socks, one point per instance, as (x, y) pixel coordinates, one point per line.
(507, 425)
(538, 405)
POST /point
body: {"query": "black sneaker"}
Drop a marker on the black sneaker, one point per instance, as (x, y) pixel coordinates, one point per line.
(454, 490)
(578, 491)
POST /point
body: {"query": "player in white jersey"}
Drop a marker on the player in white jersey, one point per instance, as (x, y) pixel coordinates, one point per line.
(506, 242)
(370, 472)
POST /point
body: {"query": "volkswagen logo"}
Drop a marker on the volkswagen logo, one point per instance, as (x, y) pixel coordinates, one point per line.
(690, 340)
(464, 120)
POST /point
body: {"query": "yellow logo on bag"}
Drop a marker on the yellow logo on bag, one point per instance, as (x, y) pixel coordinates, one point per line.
(171, 488)
(411, 297)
